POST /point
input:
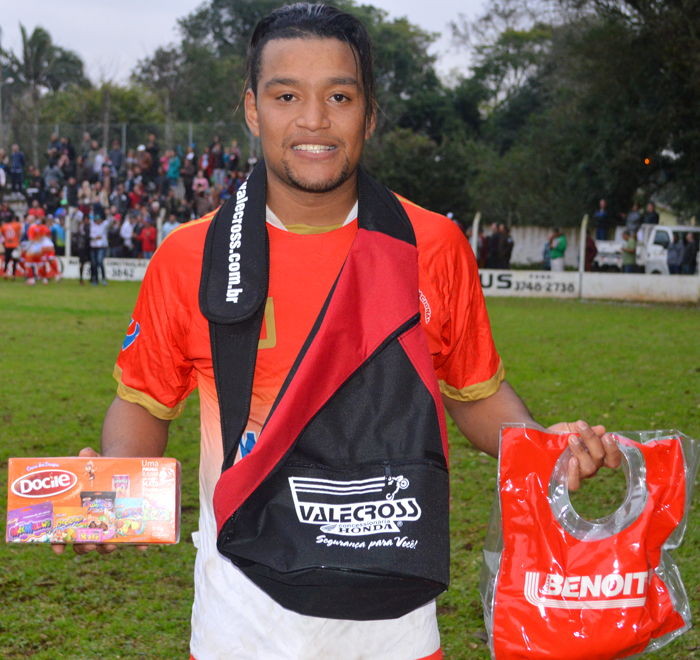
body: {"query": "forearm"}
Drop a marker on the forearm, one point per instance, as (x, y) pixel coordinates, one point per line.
(130, 430)
(480, 421)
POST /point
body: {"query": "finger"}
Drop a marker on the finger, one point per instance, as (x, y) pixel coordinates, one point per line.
(587, 466)
(599, 430)
(613, 455)
(106, 548)
(574, 471)
(142, 548)
(58, 548)
(83, 548)
(88, 452)
(592, 442)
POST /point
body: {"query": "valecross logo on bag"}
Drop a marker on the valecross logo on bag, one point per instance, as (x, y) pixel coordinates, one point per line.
(44, 483)
(588, 592)
(352, 508)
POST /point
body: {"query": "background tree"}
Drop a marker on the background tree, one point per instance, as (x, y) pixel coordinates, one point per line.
(42, 67)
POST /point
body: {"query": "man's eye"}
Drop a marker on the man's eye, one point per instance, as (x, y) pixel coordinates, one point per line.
(287, 97)
(340, 98)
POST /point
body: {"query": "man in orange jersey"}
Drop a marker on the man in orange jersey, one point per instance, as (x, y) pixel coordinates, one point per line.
(12, 233)
(311, 102)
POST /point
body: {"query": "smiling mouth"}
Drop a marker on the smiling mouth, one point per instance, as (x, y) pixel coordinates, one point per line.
(313, 148)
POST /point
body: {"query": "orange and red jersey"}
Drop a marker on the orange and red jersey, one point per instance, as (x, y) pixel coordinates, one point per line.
(174, 334)
(12, 232)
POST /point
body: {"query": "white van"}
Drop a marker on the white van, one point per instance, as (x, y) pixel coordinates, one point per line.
(652, 244)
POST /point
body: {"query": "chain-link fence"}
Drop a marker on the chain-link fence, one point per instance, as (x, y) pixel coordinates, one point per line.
(34, 139)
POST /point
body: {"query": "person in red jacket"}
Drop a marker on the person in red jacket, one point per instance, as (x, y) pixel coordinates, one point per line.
(148, 239)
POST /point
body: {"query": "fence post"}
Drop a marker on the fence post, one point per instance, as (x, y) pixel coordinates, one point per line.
(475, 232)
(582, 254)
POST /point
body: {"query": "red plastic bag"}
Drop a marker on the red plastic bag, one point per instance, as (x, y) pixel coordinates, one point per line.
(557, 586)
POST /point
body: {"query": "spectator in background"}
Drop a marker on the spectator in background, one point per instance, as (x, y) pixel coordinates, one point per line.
(235, 157)
(203, 203)
(52, 175)
(82, 244)
(138, 223)
(36, 211)
(505, 247)
(58, 236)
(67, 149)
(690, 255)
(492, 251)
(70, 193)
(153, 150)
(99, 229)
(130, 161)
(85, 145)
(591, 251)
(54, 144)
(92, 153)
(173, 168)
(189, 169)
(557, 248)
(83, 170)
(147, 237)
(116, 156)
(201, 183)
(629, 252)
(674, 255)
(205, 163)
(651, 217)
(126, 231)
(145, 162)
(99, 160)
(601, 220)
(634, 220)
(170, 224)
(216, 155)
(114, 238)
(17, 162)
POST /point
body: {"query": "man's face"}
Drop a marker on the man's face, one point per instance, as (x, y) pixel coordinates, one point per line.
(309, 113)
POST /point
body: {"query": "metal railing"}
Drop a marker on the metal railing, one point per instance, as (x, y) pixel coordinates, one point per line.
(34, 139)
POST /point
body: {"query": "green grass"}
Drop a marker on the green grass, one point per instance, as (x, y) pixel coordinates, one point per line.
(627, 366)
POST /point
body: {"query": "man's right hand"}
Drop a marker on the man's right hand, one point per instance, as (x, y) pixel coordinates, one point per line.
(84, 548)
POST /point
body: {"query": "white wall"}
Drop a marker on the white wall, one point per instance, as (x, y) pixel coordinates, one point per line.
(528, 243)
(651, 288)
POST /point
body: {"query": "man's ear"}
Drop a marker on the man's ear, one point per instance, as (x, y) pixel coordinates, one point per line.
(371, 123)
(251, 112)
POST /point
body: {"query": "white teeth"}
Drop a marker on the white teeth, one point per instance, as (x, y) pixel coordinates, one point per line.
(315, 148)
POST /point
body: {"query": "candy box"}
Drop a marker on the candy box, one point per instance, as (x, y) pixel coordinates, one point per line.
(93, 500)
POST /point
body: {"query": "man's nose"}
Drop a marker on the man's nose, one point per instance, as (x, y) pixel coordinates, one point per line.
(313, 115)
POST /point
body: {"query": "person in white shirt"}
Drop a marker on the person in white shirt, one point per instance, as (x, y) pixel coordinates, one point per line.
(127, 233)
(98, 247)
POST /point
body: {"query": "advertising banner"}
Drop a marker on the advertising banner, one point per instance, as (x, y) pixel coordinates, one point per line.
(530, 283)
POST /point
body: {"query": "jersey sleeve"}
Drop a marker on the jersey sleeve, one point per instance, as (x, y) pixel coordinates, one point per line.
(152, 369)
(466, 362)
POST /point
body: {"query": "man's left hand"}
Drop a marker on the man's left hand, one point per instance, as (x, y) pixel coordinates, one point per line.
(592, 448)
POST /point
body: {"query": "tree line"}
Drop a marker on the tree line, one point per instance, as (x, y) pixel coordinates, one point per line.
(566, 101)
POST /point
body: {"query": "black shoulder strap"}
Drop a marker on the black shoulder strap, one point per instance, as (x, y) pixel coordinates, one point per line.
(232, 296)
(234, 285)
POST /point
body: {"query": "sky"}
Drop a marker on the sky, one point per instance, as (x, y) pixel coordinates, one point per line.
(112, 35)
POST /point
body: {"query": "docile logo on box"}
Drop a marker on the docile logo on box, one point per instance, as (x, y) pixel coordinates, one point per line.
(44, 483)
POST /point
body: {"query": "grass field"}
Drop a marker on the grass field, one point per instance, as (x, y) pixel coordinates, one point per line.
(627, 366)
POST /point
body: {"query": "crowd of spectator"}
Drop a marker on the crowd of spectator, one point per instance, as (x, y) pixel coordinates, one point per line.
(83, 180)
(111, 200)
